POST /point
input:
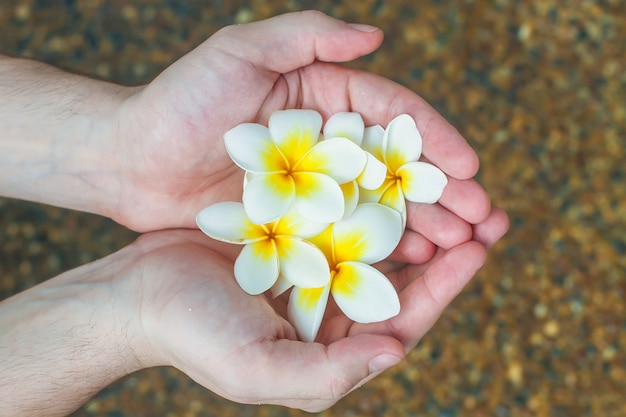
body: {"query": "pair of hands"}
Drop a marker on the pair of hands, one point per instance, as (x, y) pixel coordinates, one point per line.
(244, 74)
(182, 305)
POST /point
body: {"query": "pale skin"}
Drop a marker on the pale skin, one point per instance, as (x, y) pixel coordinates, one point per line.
(150, 158)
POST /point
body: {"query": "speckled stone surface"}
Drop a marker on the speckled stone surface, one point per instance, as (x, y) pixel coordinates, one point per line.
(537, 87)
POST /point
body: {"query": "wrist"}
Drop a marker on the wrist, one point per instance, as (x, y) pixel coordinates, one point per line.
(57, 136)
(67, 338)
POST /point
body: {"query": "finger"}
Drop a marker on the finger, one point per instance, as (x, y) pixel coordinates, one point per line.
(284, 43)
(467, 199)
(413, 248)
(438, 225)
(380, 100)
(492, 228)
(424, 300)
(313, 376)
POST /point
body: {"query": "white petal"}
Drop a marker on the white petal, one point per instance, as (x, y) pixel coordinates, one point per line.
(318, 197)
(373, 174)
(370, 196)
(364, 294)
(306, 310)
(347, 125)
(339, 158)
(266, 197)
(369, 235)
(402, 142)
(280, 286)
(351, 197)
(293, 224)
(251, 147)
(394, 197)
(295, 131)
(228, 222)
(302, 263)
(373, 141)
(422, 182)
(256, 267)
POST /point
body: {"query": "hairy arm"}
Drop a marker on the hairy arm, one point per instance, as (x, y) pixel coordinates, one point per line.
(64, 340)
(56, 145)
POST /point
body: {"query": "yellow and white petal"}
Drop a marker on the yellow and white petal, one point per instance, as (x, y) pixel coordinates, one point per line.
(373, 174)
(324, 241)
(363, 293)
(306, 310)
(228, 222)
(422, 182)
(402, 142)
(347, 125)
(369, 235)
(293, 224)
(373, 141)
(394, 197)
(251, 147)
(280, 286)
(267, 197)
(256, 267)
(318, 197)
(295, 131)
(371, 196)
(339, 158)
(350, 196)
(302, 263)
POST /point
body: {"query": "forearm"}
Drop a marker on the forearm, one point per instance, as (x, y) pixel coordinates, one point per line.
(64, 340)
(57, 142)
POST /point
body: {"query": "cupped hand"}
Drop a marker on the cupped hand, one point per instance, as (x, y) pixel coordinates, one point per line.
(173, 160)
(196, 318)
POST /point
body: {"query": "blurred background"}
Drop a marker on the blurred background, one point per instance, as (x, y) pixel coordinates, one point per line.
(539, 90)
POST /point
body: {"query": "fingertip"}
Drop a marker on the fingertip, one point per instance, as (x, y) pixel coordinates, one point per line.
(439, 223)
(467, 199)
(492, 228)
(364, 28)
(413, 249)
(446, 147)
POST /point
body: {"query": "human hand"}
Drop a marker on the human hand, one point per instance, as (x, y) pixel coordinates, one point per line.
(171, 130)
(171, 298)
(197, 319)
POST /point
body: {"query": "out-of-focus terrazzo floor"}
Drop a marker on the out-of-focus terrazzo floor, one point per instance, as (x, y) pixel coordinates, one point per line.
(537, 87)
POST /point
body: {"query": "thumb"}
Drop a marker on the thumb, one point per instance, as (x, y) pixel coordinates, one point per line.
(290, 41)
(314, 376)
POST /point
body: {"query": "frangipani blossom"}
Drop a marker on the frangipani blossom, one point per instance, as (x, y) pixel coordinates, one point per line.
(400, 147)
(362, 292)
(288, 166)
(270, 249)
(350, 125)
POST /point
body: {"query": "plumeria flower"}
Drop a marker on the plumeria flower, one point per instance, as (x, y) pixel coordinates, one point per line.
(362, 292)
(287, 166)
(270, 249)
(400, 147)
(350, 125)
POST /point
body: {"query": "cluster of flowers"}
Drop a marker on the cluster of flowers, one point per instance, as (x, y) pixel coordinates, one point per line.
(320, 205)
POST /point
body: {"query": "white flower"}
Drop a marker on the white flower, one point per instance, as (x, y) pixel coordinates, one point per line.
(400, 147)
(287, 166)
(362, 292)
(270, 249)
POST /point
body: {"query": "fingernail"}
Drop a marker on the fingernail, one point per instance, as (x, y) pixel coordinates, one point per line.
(363, 28)
(382, 362)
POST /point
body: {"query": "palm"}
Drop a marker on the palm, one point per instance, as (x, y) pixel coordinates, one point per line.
(186, 166)
(194, 309)
(198, 319)
(172, 129)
